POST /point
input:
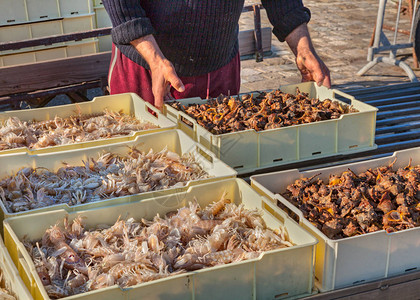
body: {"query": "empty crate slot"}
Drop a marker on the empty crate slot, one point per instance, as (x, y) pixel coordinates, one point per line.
(288, 211)
(410, 269)
(204, 154)
(186, 122)
(316, 153)
(171, 114)
(353, 146)
(359, 281)
(272, 212)
(280, 295)
(238, 167)
(277, 159)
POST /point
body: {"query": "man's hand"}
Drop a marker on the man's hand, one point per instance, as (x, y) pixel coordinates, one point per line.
(308, 62)
(163, 72)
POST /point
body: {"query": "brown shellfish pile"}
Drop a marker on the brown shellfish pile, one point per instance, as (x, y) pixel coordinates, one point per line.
(351, 204)
(268, 110)
(74, 129)
(72, 260)
(110, 175)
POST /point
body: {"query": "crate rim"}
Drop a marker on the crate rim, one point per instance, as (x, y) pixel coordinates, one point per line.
(314, 241)
(296, 210)
(220, 135)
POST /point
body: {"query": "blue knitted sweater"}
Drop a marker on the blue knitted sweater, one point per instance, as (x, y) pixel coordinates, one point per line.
(197, 36)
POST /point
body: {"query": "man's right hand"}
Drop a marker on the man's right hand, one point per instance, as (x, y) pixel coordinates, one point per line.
(163, 72)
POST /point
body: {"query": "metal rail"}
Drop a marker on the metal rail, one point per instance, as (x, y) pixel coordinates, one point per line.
(49, 40)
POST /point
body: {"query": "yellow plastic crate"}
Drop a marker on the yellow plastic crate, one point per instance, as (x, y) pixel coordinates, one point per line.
(11, 278)
(249, 150)
(173, 140)
(44, 53)
(353, 260)
(129, 103)
(277, 274)
(19, 11)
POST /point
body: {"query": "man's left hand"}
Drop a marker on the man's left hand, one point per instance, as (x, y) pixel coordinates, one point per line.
(308, 62)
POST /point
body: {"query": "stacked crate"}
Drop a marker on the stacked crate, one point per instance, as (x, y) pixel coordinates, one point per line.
(281, 273)
(102, 21)
(27, 19)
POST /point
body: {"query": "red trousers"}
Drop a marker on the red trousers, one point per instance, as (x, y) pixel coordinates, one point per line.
(127, 76)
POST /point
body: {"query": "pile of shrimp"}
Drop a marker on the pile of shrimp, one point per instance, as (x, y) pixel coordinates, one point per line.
(5, 294)
(74, 129)
(109, 176)
(71, 259)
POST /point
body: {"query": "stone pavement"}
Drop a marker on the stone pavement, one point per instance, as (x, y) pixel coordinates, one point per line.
(341, 32)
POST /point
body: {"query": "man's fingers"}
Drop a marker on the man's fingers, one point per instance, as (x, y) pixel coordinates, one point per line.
(327, 81)
(159, 94)
(176, 82)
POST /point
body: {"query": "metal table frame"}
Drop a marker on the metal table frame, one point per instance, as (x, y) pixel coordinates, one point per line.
(381, 43)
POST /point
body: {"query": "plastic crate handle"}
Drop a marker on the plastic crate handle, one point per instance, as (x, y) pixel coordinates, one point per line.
(294, 212)
(205, 154)
(182, 115)
(156, 111)
(273, 209)
(170, 113)
(350, 98)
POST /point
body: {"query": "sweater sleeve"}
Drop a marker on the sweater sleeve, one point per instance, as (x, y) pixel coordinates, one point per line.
(129, 20)
(286, 15)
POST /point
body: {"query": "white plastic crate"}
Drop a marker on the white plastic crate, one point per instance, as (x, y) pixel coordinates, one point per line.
(97, 3)
(105, 43)
(44, 53)
(128, 103)
(29, 30)
(102, 21)
(277, 274)
(249, 150)
(353, 260)
(102, 18)
(20, 11)
(174, 140)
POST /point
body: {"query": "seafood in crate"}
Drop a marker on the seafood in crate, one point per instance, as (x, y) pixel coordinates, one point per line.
(104, 120)
(11, 284)
(109, 175)
(73, 129)
(73, 260)
(267, 129)
(267, 110)
(79, 178)
(186, 244)
(351, 204)
(5, 294)
(384, 239)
